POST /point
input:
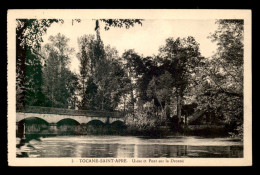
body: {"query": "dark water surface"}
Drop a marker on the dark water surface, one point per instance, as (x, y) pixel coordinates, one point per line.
(129, 147)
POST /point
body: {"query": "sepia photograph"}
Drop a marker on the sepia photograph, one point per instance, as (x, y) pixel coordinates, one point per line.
(113, 87)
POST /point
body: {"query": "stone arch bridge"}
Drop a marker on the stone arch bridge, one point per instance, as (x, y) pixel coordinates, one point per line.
(54, 115)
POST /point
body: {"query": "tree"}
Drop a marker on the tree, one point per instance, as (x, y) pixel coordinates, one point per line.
(102, 78)
(127, 23)
(140, 71)
(56, 74)
(223, 76)
(100, 70)
(229, 37)
(72, 86)
(91, 95)
(28, 38)
(180, 57)
(99, 52)
(111, 79)
(33, 80)
(119, 83)
(85, 57)
(160, 89)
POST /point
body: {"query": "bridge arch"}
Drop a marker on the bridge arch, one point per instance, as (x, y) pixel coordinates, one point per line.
(117, 122)
(95, 127)
(29, 116)
(68, 121)
(95, 122)
(67, 126)
(118, 127)
(31, 125)
(31, 119)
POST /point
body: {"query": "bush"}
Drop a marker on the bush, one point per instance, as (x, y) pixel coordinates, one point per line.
(238, 132)
(142, 122)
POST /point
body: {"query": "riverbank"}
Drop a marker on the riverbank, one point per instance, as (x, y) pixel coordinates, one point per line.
(151, 132)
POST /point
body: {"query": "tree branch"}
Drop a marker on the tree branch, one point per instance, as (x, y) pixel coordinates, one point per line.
(36, 52)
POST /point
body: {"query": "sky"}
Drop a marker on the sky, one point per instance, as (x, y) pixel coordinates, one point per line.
(145, 39)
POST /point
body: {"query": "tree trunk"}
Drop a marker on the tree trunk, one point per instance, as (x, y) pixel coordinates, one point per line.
(167, 110)
(162, 109)
(83, 102)
(132, 98)
(132, 90)
(52, 98)
(83, 87)
(179, 105)
(124, 104)
(20, 66)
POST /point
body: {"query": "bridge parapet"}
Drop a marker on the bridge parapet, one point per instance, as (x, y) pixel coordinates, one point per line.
(70, 112)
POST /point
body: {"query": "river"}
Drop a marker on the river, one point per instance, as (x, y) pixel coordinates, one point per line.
(129, 147)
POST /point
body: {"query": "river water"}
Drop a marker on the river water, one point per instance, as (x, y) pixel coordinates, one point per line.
(129, 147)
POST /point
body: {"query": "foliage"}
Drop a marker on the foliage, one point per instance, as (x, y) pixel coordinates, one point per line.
(221, 90)
(102, 79)
(127, 23)
(162, 77)
(86, 43)
(59, 82)
(141, 120)
(151, 89)
(180, 58)
(28, 38)
(34, 81)
(141, 71)
(29, 34)
(229, 37)
(31, 30)
(160, 89)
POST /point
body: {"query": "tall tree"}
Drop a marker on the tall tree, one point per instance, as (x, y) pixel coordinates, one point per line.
(141, 71)
(180, 57)
(33, 80)
(223, 75)
(102, 77)
(160, 89)
(118, 85)
(56, 71)
(28, 38)
(132, 62)
(85, 56)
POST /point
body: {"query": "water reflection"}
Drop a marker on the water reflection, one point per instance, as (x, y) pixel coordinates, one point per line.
(128, 147)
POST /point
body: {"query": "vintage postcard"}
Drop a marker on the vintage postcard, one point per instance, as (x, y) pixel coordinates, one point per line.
(129, 87)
